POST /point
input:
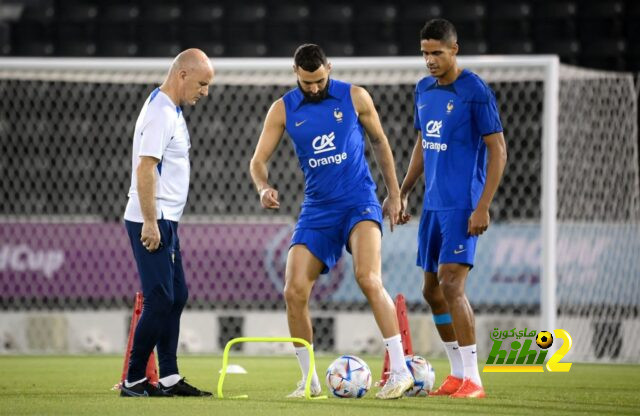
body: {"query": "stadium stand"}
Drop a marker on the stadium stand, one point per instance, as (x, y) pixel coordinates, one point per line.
(589, 33)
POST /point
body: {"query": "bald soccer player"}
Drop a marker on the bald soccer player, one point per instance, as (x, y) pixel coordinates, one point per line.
(158, 194)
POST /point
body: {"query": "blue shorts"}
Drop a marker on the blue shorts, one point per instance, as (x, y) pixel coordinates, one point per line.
(443, 238)
(325, 229)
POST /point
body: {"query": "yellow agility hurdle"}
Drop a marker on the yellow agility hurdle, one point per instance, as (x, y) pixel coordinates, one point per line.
(225, 361)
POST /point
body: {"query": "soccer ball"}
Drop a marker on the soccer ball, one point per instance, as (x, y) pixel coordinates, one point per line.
(348, 377)
(423, 376)
(544, 339)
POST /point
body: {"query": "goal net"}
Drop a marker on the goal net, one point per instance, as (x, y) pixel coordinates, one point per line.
(562, 249)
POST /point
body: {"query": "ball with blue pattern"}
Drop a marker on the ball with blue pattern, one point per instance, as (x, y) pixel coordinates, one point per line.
(348, 377)
(423, 376)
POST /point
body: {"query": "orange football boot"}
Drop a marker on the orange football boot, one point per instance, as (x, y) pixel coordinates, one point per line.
(469, 389)
(449, 386)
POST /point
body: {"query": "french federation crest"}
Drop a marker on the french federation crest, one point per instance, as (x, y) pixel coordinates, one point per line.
(338, 115)
(449, 106)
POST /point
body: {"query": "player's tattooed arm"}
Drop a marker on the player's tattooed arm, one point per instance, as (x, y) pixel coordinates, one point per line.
(272, 131)
(415, 170)
(496, 161)
(368, 116)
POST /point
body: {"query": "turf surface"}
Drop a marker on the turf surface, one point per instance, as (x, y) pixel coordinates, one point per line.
(49, 385)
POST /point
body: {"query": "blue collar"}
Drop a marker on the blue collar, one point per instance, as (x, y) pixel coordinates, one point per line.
(449, 87)
(155, 92)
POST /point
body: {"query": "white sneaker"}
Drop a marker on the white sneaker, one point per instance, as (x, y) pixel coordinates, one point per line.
(396, 385)
(298, 393)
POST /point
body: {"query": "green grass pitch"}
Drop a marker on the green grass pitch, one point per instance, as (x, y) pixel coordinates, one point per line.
(50, 385)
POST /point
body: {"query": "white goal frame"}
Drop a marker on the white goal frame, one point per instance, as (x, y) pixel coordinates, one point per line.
(277, 71)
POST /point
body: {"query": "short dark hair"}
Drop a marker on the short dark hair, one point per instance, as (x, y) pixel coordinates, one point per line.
(309, 57)
(439, 29)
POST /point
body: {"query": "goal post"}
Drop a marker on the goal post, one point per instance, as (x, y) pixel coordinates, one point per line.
(278, 71)
(548, 306)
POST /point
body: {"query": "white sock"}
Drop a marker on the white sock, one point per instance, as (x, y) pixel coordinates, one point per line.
(171, 380)
(396, 353)
(470, 362)
(133, 383)
(455, 359)
(303, 359)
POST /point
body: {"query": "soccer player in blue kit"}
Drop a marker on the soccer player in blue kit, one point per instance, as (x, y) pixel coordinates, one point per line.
(462, 152)
(327, 120)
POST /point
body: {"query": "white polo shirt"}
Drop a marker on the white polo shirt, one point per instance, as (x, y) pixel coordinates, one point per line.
(161, 132)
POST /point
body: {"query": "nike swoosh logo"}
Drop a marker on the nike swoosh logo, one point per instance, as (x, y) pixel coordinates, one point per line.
(473, 352)
(458, 251)
(133, 393)
(455, 348)
(420, 107)
(300, 123)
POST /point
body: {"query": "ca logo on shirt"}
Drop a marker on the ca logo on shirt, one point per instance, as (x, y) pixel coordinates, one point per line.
(324, 143)
(433, 128)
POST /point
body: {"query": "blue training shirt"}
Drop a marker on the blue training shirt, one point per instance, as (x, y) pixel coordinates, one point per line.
(453, 119)
(329, 141)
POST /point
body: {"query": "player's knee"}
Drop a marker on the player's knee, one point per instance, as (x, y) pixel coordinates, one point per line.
(295, 295)
(180, 298)
(452, 287)
(369, 283)
(430, 296)
(158, 302)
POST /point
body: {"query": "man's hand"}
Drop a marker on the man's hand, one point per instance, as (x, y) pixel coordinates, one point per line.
(478, 221)
(391, 209)
(269, 198)
(404, 217)
(150, 235)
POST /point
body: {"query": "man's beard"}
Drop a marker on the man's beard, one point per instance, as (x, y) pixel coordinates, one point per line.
(315, 98)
